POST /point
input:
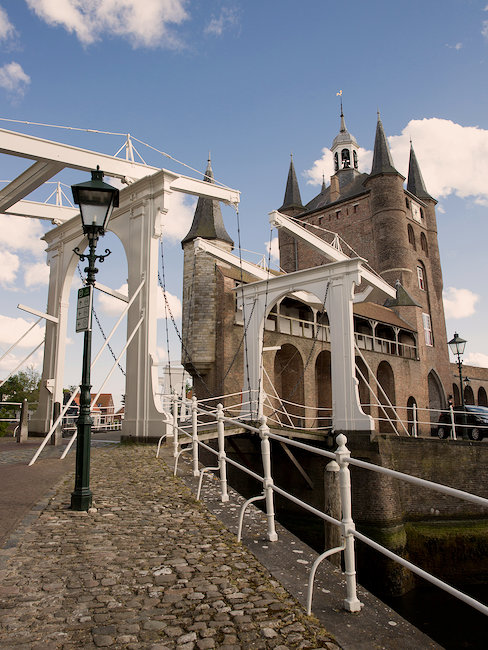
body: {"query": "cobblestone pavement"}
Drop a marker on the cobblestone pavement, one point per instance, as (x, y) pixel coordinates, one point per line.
(23, 454)
(151, 568)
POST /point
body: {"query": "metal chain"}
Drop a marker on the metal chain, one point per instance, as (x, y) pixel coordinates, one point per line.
(100, 326)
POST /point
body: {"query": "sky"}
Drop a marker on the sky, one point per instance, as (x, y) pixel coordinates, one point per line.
(251, 82)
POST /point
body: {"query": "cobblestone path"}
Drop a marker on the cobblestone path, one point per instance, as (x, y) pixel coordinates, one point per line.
(151, 568)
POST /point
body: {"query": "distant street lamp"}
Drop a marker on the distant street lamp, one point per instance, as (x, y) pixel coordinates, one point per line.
(96, 201)
(457, 345)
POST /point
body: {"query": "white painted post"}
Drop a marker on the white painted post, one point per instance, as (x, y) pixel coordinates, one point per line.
(175, 425)
(222, 455)
(268, 479)
(414, 413)
(194, 427)
(453, 424)
(351, 602)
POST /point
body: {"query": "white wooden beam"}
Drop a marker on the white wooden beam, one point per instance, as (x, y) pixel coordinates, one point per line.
(48, 211)
(279, 220)
(27, 182)
(204, 188)
(27, 146)
(35, 312)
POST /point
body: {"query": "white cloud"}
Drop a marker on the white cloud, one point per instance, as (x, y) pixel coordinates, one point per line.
(13, 78)
(228, 18)
(113, 307)
(36, 275)
(9, 265)
(273, 247)
(7, 30)
(476, 359)
(178, 219)
(453, 158)
(12, 329)
(459, 303)
(28, 233)
(144, 23)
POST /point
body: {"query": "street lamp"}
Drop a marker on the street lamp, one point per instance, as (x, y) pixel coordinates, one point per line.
(96, 201)
(457, 345)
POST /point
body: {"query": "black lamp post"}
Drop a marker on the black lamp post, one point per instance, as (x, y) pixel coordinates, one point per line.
(457, 345)
(96, 201)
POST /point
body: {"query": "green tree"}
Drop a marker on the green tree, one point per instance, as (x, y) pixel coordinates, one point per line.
(23, 385)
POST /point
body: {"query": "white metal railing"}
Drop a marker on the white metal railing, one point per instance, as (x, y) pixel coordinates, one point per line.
(346, 524)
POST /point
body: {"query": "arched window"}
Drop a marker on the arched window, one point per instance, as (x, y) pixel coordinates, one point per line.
(336, 161)
(407, 202)
(412, 416)
(422, 276)
(455, 392)
(423, 244)
(355, 158)
(411, 236)
(345, 158)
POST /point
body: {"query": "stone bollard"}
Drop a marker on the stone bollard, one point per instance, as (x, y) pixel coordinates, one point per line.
(58, 432)
(23, 431)
(332, 507)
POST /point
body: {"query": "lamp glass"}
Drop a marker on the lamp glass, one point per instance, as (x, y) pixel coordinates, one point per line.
(457, 344)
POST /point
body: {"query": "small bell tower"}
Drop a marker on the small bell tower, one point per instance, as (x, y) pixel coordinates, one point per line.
(344, 148)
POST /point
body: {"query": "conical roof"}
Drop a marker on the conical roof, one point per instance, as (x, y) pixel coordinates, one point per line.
(382, 160)
(292, 192)
(415, 183)
(207, 220)
(343, 137)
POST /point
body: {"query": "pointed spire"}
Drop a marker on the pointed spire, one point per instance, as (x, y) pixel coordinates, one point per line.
(324, 186)
(415, 183)
(207, 220)
(343, 121)
(382, 160)
(403, 298)
(292, 193)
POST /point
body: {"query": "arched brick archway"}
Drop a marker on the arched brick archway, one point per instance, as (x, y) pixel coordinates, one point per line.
(323, 387)
(288, 375)
(468, 395)
(412, 416)
(437, 399)
(364, 392)
(482, 398)
(386, 380)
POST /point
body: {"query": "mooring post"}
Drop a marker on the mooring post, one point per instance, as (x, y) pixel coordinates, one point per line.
(414, 413)
(268, 479)
(175, 425)
(23, 430)
(332, 507)
(194, 429)
(222, 455)
(351, 602)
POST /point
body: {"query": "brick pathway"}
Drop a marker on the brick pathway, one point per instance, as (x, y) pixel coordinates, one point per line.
(151, 568)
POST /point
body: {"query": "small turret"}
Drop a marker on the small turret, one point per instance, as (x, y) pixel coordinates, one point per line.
(344, 148)
(207, 220)
(415, 183)
(382, 160)
(292, 201)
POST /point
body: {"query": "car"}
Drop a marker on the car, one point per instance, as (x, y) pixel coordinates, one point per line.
(475, 418)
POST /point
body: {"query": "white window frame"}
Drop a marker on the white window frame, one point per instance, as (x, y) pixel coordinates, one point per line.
(427, 323)
(421, 277)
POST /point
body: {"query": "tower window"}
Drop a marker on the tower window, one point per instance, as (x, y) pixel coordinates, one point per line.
(355, 158)
(411, 236)
(422, 215)
(407, 202)
(423, 243)
(421, 278)
(345, 159)
(336, 162)
(429, 340)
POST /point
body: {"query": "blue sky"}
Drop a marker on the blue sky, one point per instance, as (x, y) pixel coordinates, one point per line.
(251, 81)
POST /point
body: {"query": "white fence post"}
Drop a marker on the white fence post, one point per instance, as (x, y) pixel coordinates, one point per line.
(268, 480)
(351, 602)
(453, 424)
(222, 456)
(414, 415)
(194, 428)
(175, 425)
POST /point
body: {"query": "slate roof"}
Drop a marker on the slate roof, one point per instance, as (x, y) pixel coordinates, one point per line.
(343, 137)
(415, 183)
(380, 313)
(207, 220)
(292, 192)
(382, 160)
(351, 183)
